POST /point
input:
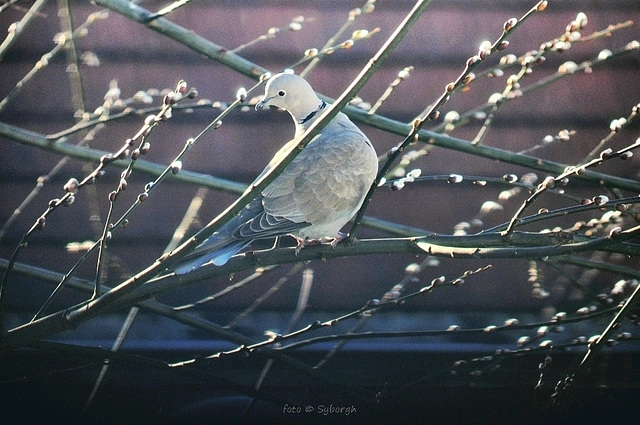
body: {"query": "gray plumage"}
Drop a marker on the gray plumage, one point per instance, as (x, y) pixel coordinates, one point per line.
(317, 193)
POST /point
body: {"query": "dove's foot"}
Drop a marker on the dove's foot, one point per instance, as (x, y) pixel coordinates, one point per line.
(300, 244)
(339, 237)
(306, 242)
(332, 241)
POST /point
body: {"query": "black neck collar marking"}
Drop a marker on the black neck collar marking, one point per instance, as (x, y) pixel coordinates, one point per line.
(313, 114)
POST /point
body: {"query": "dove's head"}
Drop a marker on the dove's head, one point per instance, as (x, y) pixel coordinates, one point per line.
(292, 93)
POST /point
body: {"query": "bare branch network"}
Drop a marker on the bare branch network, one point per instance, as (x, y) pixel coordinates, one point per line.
(571, 223)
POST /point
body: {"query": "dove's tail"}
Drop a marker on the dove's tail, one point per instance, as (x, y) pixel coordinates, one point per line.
(219, 256)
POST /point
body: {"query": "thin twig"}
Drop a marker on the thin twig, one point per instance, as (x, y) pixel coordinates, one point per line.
(354, 14)
(42, 180)
(111, 115)
(368, 308)
(73, 186)
(523, 245)
(597, 265)
(390, 296)
(124, 330)
(172, 169)
(294, 25)
(116, 346)
(245, 67)
(402, 76)
(453, 330)
(511, 60)
(189, 217)
(615, 127)
(549, 182)
(513, 82)
(44, 61)
(7, 5)
(562, 212)
(377, 121)
(261, 299)
(16, 30)
(575, 283)
(227, 290)
(596, 347)
(303, 299)
(52, 324)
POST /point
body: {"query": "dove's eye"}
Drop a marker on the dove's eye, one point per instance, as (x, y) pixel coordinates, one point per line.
(281, 93)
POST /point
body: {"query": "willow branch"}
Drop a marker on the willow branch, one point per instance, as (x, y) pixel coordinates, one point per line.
(596, 347)
(17, 30)
(507, 327)
(44, 61)
(184, 36)
(598, 265)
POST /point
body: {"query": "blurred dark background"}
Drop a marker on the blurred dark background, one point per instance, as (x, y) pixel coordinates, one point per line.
(403, 376)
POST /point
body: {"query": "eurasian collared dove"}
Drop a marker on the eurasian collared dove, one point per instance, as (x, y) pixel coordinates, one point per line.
(317, 194)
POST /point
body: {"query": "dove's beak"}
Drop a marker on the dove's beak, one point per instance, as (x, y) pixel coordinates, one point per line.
(262, 104)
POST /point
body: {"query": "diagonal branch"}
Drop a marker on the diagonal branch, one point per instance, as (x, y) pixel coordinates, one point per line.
(596, 347)
(184, 36)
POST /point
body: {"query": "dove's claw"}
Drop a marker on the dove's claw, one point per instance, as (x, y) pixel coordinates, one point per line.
(299, 246)
(307, 242)
(339, 237)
